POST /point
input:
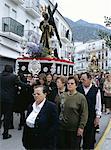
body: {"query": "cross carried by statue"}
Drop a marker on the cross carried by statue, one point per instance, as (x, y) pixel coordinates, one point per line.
(48, 27)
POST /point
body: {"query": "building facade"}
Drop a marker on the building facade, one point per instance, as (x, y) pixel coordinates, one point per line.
(19, 26)
(17, 17)
(84, 53)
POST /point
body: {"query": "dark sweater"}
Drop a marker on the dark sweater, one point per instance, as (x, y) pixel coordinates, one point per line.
(75, 112)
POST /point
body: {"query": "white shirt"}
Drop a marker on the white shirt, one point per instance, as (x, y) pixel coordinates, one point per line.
(98, 100)
(30, 121)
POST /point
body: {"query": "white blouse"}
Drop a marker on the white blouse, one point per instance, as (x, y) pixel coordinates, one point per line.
(30, 121)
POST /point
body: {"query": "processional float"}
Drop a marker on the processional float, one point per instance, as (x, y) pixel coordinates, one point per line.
(38, 58)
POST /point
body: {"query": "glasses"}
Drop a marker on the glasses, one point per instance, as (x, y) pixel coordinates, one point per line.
(34, 94)
(29, 76)
(83, 79)
(70, 83)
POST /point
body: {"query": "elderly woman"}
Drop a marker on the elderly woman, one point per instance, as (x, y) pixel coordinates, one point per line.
(41, 122)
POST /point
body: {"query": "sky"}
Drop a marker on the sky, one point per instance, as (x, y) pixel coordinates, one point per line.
(92, 11)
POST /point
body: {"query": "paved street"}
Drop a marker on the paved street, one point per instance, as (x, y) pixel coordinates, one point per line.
(107, 143)
(105, 139)
(103, 124)
(15, 143)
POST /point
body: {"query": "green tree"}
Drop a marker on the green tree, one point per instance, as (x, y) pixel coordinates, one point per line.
(106, 35)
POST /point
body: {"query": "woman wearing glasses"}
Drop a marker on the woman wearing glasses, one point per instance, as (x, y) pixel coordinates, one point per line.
(41, 122)
(73, 117)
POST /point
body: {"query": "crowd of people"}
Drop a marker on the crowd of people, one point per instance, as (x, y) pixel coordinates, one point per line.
(56, 112)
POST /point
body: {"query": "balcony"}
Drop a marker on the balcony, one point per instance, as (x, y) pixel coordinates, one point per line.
(64, 38)
(32, 8)
(18, 2)
(11, 28)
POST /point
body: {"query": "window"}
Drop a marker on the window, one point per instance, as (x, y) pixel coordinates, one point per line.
(63, 30)
(93, 45)
(103, 45)
(99, 55)
(106, 53)
(102, 65)
(27, 24)
(82, 65)
(106, 63)
(37, 29)
(89, 57)
(32, 26)
(14, 14)
(89, 47)
(6, 27)
(37, 3)
(7, 10)
(102, 55)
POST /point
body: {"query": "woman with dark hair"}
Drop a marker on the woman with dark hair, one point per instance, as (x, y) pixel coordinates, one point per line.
(52, 87)
(73, 116)
(55, 77)
(42, 79)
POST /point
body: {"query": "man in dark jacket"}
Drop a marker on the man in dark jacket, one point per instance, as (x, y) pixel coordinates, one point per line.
(7, 94)
(93, 97)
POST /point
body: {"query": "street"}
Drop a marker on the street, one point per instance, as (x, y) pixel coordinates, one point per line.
(15, 143)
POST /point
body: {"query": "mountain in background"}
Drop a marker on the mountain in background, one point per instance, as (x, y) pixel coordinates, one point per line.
(84, 31)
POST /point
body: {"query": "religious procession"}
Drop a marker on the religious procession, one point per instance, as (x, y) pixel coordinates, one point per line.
(45, 104)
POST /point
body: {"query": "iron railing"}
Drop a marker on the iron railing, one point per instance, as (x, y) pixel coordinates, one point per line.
(11, 25)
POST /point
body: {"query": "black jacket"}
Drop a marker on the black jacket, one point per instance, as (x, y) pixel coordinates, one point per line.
(8, 82)
(43, 135)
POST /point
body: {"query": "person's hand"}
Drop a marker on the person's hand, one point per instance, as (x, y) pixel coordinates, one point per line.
(32, 82)
(80, 132)
(96, 121)
(19, 88)
(108, 94)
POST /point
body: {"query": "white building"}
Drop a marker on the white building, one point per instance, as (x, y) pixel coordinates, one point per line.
(20, 21)
(80, 58)
(17, 17)
(84, 53)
